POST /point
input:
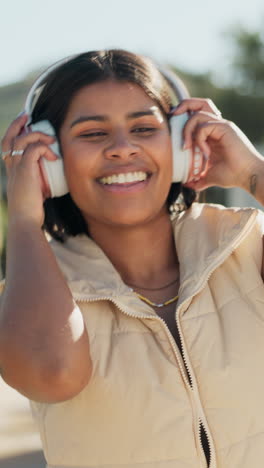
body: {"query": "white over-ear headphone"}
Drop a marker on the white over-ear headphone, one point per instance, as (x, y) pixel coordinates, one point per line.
(181, 159)
(54, 170)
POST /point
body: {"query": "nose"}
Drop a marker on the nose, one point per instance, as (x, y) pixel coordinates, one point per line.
(121, 147)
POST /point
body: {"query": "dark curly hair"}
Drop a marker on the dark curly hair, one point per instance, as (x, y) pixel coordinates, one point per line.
(62, 216)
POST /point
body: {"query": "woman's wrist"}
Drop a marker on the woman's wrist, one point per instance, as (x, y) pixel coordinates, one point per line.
(252, 180)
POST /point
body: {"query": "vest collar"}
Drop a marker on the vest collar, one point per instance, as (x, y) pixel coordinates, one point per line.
(205, 235)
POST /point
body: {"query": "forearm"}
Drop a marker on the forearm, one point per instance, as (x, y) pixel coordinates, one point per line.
(253, 182)
(41, 331)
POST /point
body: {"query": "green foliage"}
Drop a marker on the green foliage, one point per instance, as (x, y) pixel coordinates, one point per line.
(248, 63)
(12, 98)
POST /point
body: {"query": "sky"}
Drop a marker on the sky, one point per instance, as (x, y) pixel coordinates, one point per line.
(190, 34)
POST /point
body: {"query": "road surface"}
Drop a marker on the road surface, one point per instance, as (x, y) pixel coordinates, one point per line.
(20, 445)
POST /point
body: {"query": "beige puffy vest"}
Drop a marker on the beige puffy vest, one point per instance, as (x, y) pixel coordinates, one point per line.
(145, 404)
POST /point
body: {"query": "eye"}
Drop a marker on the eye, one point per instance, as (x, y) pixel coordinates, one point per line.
(93, 134)
(147, 130)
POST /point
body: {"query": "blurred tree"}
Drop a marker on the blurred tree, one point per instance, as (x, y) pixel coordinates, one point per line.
(248, 62)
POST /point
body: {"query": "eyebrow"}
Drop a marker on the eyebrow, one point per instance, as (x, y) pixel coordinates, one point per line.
(104, 118)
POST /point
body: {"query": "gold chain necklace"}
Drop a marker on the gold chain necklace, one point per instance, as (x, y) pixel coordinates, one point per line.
(153, 304)
(155, 289)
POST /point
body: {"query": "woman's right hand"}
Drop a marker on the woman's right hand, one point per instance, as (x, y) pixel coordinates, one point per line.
(26, 188)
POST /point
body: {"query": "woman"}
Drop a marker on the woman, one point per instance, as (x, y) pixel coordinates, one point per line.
(138, 340)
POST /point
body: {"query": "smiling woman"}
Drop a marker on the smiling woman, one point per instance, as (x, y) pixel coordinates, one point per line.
(126, 323)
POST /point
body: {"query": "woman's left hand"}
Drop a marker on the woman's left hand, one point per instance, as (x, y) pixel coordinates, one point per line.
(232, 159)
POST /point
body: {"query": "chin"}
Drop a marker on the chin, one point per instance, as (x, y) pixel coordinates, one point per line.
(134, 218)
(126, 215)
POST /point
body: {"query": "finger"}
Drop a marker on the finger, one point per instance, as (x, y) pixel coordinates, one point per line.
(22, 141)
(198, 185)
(5, 154)
(214, 130)
(13, 131)
(34, 152)
(31, 154)
(205, 167)
(203, 180)
(191, 126)
(196, 105)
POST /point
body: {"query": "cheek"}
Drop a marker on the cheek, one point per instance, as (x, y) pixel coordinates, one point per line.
(78, 164)
(164, 153)
(74, 153)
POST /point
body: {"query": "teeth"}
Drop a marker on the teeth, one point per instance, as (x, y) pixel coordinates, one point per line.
(124, 178)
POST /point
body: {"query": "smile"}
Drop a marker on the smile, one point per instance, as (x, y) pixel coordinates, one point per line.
(124, 178)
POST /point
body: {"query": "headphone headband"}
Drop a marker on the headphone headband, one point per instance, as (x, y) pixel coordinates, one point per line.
(38, 86)
(176, 83)
(35, 91)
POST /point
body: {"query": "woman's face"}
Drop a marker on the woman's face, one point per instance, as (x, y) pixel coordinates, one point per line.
(117, 154)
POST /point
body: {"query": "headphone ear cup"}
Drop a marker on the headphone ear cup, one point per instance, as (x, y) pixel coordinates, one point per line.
(54, 170)
(181, 159)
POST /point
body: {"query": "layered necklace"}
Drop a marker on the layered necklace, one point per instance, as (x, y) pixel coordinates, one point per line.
(154, 304)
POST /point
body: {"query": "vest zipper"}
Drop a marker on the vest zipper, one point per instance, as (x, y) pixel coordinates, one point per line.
(204, 441)
(202, 428)
(179, 356)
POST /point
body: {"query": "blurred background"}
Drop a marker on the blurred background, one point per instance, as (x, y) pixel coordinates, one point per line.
(217, 48)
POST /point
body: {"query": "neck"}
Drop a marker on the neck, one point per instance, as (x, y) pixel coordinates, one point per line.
(144, 254)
